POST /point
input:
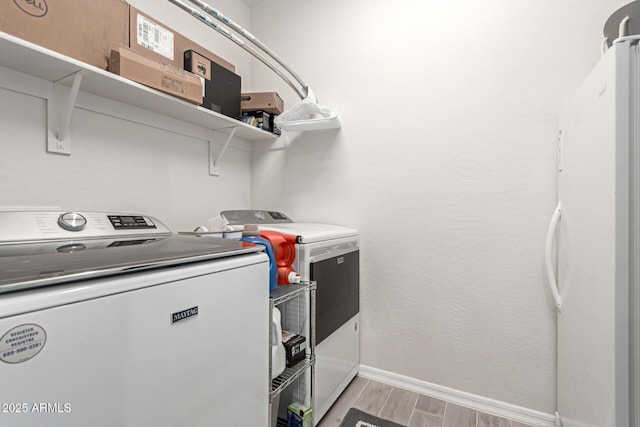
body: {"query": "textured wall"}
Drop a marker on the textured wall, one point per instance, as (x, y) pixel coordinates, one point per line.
(445, 163)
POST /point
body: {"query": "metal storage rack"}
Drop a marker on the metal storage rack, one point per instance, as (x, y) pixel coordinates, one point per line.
(299, 316)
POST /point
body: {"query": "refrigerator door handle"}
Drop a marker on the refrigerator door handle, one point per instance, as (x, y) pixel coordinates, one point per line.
(551, 234)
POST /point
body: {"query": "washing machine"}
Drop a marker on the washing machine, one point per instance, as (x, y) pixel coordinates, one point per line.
(110, 319)
(330, 256)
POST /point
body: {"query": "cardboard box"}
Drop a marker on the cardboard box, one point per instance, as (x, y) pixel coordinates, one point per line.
(197, 64)
(84, 30)
(151, 38)
(265, 101)
(221, 86)
(299, 415)
(164, 77)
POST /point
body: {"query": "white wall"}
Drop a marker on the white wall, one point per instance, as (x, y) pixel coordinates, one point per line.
(117, 164)
(445, 163)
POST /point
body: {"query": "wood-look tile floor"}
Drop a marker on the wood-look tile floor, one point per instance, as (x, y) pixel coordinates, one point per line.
(407, 408)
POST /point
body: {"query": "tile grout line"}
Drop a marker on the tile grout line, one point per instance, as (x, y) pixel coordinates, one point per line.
(441, 418)
(413, 411)
(385, 402)
(414, 407)
(444, 413)
(353, 402)
(360, 394)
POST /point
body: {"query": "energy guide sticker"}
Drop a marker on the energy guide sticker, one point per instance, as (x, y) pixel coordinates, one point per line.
(22, 343)
(154, 37)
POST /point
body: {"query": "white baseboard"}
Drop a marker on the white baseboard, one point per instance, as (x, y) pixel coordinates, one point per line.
(468, 400)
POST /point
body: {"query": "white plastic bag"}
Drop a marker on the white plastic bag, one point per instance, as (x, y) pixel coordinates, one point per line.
(308, 115)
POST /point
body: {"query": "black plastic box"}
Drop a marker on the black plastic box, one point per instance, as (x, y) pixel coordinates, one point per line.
(294, 348)
(221, 86)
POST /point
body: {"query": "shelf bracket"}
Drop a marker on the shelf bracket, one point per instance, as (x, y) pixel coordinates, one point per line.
(216, 153)
(59, 113)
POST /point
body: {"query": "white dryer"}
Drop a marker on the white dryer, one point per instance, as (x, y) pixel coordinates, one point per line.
(330, 256)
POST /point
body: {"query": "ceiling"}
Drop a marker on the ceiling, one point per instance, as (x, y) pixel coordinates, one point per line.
(251, 3)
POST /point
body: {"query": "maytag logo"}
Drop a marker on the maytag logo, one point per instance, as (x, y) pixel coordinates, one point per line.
(37, 8)
(184, 314)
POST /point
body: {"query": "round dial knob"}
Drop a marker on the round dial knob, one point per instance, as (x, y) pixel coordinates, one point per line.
(72, 221)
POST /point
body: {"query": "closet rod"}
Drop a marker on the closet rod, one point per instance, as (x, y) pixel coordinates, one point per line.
(302, 92)
(306, 114)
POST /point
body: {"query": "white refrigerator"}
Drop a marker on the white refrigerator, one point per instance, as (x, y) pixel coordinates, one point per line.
(595, 233)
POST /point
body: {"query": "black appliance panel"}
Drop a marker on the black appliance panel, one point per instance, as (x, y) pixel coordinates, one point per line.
(337, 292)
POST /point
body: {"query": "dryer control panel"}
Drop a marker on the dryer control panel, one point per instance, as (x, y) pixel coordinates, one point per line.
(241, 217)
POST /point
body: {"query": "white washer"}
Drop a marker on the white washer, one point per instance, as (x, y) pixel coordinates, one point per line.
(111, 320)
(328, 255)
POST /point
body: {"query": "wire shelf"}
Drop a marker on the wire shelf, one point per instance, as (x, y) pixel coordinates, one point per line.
(285, 293)
(290, 375)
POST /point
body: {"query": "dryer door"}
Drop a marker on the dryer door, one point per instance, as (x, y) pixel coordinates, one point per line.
(338, 292)
(335, 267)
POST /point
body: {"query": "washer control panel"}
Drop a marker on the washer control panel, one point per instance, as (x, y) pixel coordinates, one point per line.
(20, 227)
(130, 222)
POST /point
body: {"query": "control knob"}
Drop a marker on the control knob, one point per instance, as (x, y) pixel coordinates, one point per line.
(72, 221)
